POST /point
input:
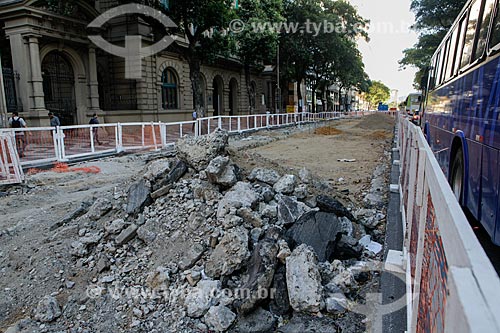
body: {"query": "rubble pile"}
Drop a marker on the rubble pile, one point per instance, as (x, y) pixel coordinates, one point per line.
(196, 244)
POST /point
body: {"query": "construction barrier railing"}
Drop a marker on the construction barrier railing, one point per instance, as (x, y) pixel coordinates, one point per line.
(451, 284)
(10, 166)
(44, 145)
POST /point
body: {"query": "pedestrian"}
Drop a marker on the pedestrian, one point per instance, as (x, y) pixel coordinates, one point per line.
(95, 121)
(17, 122)
(54, 120)
(195, 117)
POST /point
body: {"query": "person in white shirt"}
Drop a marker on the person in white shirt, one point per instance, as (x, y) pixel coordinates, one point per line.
(17, 122)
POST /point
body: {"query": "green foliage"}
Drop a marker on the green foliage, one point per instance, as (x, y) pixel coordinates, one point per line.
(329, 56)
(324, 58)
(196, 18)
(258, 47)
(61, 7)
(377, 93)
(204, 23)
(435, 15)
(433, 20)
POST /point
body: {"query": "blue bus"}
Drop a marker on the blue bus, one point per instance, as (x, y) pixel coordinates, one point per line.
(462, 111)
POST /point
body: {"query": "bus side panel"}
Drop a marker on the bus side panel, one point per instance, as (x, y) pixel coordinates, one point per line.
(440, 142)
(489, 192)
(472, 94)
(438, 125)
(474, 180)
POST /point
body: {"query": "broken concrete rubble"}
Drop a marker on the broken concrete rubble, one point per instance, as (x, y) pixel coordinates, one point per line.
(126, 234)
(259, 321)
(290, 210)
(241, 195)
(47, 310)
(286, 184)
(303, 280)
(192, 256)
(202, 225)
(219, 318)
(229, 254)
(259, 277)
(201, 297)
(100, 207)
(138, 196)
(264, 175)
(198, 151)
(220, 172)
(317, 229)
(331, 205)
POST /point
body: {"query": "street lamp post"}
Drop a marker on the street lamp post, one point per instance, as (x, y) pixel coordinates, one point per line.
(278, 87)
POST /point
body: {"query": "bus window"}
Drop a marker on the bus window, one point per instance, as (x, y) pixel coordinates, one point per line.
(438, 68)
(495, 32)
(463, 26)
(445, 59)
(483, 33)
(451, 54)
(471, 32)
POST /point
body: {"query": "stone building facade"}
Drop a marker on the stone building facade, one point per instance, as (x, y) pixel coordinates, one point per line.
(49, 64)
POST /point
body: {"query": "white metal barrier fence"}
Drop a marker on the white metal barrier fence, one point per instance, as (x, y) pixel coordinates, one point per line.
(452, 283)
(42, 145)
(10, 167)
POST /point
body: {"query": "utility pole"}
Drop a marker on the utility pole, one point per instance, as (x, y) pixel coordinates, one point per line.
(278, 88)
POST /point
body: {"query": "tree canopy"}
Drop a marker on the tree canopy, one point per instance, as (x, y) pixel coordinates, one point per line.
(326, 56)
(256, 48)
(377, 93)
(433, 19)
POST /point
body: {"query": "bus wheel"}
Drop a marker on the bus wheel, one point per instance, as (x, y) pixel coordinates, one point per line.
(457, 176)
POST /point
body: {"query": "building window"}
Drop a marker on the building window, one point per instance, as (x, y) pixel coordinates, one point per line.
(495, 30)
(169, 90)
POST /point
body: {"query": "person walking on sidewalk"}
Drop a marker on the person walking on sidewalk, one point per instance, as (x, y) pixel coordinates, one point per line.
(18, 122)
(195, 117)
(95, 121)
(54, 120)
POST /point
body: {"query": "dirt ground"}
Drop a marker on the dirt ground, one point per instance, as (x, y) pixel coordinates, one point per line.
(33, 260)
(345, 153)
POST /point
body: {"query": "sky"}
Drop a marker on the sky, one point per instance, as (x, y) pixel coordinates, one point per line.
(390, 34)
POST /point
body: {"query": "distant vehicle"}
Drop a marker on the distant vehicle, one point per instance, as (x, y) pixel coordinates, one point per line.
(413, 106)
(462, 111)
(413, 102)
(383, 107)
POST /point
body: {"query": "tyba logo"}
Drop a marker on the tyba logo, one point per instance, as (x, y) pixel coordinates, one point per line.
(133, 52)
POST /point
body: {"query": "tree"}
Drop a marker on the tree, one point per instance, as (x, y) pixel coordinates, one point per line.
(256, 47)
(324, 56)
(377, 93)
(350, 71)
(298, 58)
(433, 20)
(204, 24)
(195, 18)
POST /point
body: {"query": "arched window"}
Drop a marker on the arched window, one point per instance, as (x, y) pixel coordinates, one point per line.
(169, 90)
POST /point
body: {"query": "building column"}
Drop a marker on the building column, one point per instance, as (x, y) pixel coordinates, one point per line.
(36, 75)
(19, 53)
(93, 82)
